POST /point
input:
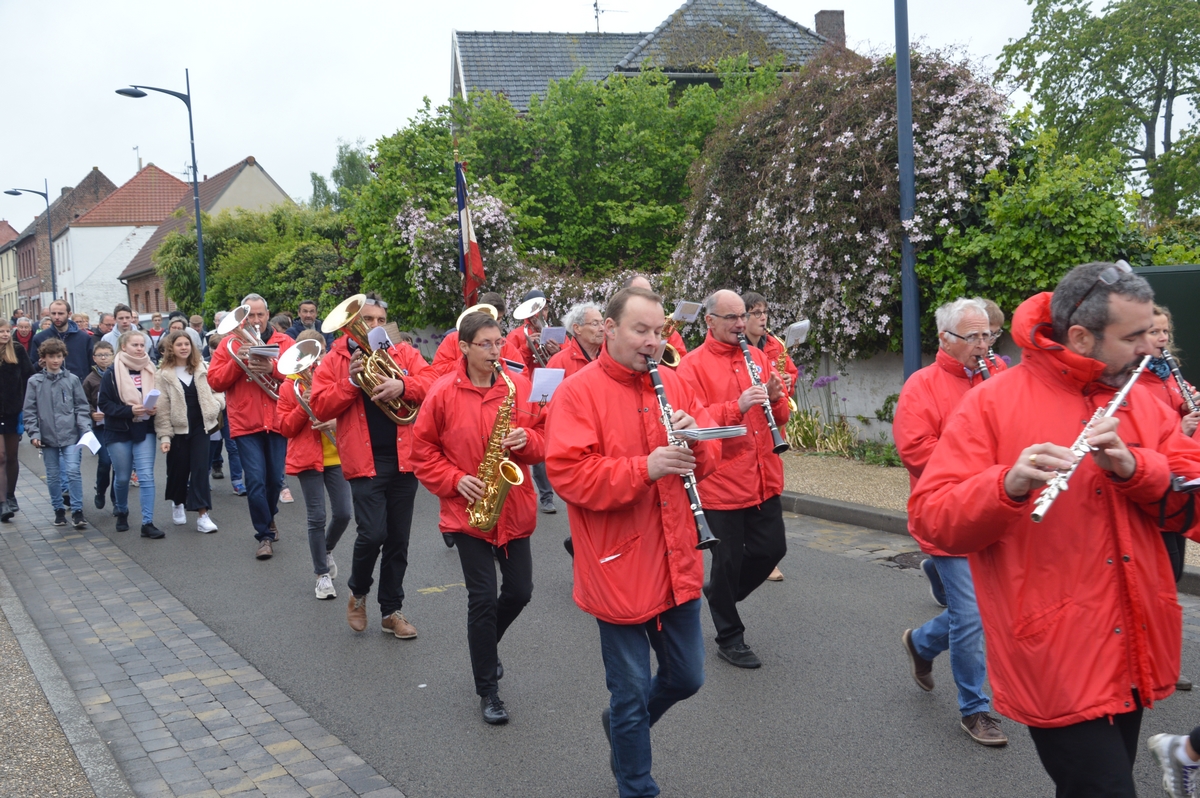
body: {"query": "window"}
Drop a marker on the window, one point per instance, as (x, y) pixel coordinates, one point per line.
(157, 307)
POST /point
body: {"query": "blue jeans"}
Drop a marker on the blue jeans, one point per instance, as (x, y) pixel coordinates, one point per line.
(960, 630)
(263, 455)
(62, 469)
(235, 462)
(126, 456)
(638, 699)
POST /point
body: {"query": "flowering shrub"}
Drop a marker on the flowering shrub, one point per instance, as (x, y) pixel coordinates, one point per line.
(798, 198)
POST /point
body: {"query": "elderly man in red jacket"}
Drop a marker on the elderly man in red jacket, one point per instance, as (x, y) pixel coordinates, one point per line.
(1083, 628)
(742, 499)
(926, 402)
(585, 322)
(637, 569)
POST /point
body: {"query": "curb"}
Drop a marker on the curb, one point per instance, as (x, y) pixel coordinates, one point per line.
(101, 769)
(897, 523)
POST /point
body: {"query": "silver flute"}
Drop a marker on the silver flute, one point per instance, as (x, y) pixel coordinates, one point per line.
(1081, 447)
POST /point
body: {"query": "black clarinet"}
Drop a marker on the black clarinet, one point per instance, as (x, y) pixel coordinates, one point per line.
(1173, 364)
(983, 369)
(705, 536)
(779, 445)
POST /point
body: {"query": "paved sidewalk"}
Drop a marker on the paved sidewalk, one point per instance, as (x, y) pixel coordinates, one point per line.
(182, 712)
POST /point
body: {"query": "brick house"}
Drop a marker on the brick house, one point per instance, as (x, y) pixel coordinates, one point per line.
(8, 269)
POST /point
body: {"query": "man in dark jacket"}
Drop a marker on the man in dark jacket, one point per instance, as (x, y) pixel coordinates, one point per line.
(306, 319)
(79, 343)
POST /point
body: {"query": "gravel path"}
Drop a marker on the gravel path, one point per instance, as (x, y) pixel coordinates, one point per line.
(846, 480)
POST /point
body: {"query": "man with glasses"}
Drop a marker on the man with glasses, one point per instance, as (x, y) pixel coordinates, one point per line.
(926, 402)
(586, 326)
(742, 499)
(448, 355)
(1083, 629)
(377, 459)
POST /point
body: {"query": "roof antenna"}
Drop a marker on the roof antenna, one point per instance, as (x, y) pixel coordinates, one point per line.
(599, 11)
(139, 156)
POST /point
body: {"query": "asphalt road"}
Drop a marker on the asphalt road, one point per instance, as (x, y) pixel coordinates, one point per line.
(832, 713)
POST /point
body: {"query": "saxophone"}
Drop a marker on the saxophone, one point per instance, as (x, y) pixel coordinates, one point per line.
(496, 472)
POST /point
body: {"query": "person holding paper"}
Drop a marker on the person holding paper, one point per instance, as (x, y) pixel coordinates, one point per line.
(452, 433)
(127, 399)
(188, 411)
(56, 416)
(102, 355)
(15, 370)
(586, 325)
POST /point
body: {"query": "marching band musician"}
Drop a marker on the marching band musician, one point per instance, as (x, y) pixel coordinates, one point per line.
(1082, 626)
(742, 500)
(926, 401)
(453, 434)
(586, 325)
(641, 281)
(447, 357)
(376, 456)
(527, 333)
(254, 421)
(637, 569)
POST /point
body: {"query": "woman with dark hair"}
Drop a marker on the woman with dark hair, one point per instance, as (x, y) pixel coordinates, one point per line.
(15, 370)
(188, 411)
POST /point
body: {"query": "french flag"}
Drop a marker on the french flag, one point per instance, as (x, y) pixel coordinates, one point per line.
(470, 262)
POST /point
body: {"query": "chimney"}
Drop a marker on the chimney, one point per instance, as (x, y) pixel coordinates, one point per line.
(832, 25)
(66, 190)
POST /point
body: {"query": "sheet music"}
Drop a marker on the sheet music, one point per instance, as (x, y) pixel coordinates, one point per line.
(687, 312)
(545, 383)
(269, 351)
(378, 339)
(796, 333)
(556, 334)
(90, 440)
(709, 433)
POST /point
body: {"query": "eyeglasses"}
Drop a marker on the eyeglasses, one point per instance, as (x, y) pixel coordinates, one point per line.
(973, 339)
(489, 346)
(996, 336)
(592, 323)
(758, 314)
(1110, 276)
(377, 302)
(730, 317)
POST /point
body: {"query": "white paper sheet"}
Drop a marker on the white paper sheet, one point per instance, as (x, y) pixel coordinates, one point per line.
(151, 399)
(513, 366)
(687, 312)
(556, 334)
(90, 440)
(709, 433)
(378, 338)
(545, 383)
(796, 333)
(270, 351)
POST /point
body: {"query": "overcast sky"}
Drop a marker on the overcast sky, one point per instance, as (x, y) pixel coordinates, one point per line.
(284, 81)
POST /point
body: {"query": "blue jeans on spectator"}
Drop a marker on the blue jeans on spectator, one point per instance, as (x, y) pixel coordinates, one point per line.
(960, 630)
(638, 699)
(263, 455)
(62, 468)
(235, 462)
(126, 456)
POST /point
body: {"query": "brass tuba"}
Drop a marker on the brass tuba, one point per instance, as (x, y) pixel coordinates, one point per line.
(298, 363)
(235, 324)
(377, 365)
(497, 473)
(529, 312)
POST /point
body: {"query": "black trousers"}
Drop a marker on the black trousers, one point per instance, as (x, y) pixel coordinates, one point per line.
(489, 616)
(1175, 544)
(752, 544)
(187, 471)
(1093, 759)
(383, 510)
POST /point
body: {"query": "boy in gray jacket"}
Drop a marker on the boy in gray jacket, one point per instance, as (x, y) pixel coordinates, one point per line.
(56, 416)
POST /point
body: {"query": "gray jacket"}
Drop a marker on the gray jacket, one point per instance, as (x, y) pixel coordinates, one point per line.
(56, 409)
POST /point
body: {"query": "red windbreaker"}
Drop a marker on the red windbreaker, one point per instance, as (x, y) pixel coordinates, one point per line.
(450, 438)
(305, 451)
(1166, 391)
(926, 401)
(448, 355)
(750, 473)
(335, 396)
(516, 341)
(1080, 609)
(570, 358)
(248, 407)
(773, 349)
(634, 538)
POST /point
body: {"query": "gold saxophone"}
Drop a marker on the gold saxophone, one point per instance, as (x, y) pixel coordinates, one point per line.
(497, 473)
(670, 356)
(781, 364)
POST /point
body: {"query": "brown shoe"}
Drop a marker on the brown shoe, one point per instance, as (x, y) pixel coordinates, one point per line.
(922, 669)
(776, 576)
(274, 531)
(265, 551)
(356, 613)
(984, 729)
(398, 625)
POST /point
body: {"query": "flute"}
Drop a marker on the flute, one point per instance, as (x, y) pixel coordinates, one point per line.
(779, 445)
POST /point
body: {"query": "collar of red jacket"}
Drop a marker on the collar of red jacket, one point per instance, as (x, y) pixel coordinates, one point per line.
(1031, 330)
(619, 372)
(720, 347)
(463, 380)
(949, 364)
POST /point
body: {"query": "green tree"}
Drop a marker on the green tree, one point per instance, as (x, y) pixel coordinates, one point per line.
(351, 171)
(1121, 78)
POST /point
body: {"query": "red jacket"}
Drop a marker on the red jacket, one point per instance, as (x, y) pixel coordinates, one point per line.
(1167, 391)
(750, 472)
(305, 451)
(1079, 609)
(634, 538)
(570, 358)
(676, 340)
(334, 396)
(450, 438)
(247, 406)
(926, 401)
(516, 342)
(448, 355)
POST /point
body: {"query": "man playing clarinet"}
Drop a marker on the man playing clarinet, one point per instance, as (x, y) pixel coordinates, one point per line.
(637, 569)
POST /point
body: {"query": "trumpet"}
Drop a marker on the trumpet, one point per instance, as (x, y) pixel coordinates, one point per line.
(298, 363)
(235, 324)
(378, 366)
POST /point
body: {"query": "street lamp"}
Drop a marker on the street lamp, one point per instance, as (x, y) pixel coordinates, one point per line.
(16, 192)
(136, 92)
(910, 316)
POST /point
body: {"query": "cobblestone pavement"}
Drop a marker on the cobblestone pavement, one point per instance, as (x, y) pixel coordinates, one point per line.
(183, 713)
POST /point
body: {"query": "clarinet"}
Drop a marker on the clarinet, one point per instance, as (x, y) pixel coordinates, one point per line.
(704, 535)
(983, 369)
(991, 356)
(1041, 505)
(779, 445)
(1173, 364)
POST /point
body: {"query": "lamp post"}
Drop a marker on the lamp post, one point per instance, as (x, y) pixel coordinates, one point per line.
(16, 192)
(909, 297)
(137, 91)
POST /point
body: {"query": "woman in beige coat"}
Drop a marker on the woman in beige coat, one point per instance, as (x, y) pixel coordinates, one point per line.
(188, 410)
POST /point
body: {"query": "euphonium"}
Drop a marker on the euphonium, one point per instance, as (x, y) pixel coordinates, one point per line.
(298, 363)
(497, 473)
(235, 324)
(781, 364)
(377, 365)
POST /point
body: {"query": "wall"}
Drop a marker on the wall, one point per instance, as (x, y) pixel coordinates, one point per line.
(97, 257)
(252, 190)
(8, 282)
(138, 286)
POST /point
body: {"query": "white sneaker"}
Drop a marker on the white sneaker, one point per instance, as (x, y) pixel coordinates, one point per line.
(325, 587)
(205, 524)
(332, 565)
(1179, 780)
(285, 496)
(179, 515)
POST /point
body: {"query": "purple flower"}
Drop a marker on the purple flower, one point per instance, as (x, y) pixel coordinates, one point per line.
(821, 382)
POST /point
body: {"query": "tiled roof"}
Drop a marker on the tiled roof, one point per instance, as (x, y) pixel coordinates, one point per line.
(148, 198)
(701, 32)
(7, 232)
(520, 65)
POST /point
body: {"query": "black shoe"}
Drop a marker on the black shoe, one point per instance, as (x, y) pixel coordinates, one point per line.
(448, 540)
(99, 501)
(740, 655)
(152, 532)
(493, 709)
(12, 503)
(217, 473)
(60, 517)
(1183, 684)
(77, 520)
(606, 722)
(569, 545)
(6, 512)
(499, 670)
(122, 522)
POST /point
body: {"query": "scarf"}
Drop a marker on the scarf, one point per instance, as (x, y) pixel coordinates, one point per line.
(1160, 368)
(129, 392)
